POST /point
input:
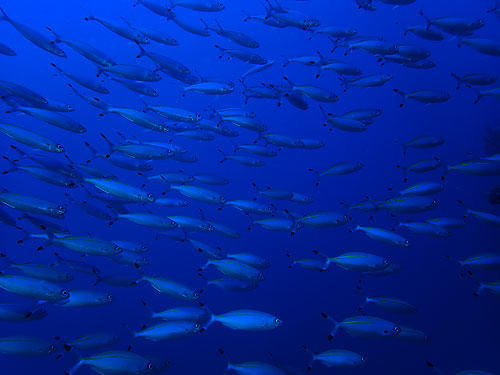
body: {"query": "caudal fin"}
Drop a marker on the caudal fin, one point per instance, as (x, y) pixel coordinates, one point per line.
(335, 325)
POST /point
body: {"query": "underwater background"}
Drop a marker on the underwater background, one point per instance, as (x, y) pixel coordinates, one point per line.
(463, 328)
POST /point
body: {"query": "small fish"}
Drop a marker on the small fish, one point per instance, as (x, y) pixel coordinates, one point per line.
(365, 326)
(36, 289)
(30, 138)
(86, 298)
(235, 269)
(424, 96)
(26, 346)
(120, 362)
(92, 341)
(391, 304)
(337, 358)
(385, 236)
(247, 320)
(172, 288)
(33, 36)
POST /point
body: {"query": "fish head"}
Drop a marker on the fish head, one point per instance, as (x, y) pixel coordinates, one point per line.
(311, 21)
(217, 6)
(63, 294)
(277, 322)
(154, 76)
(152, 92)
(477, 24)
(70, 184)
(396, 330)
(197, 328)
(139, 38)
(56, 50)
(58, 211)
(57, 148)
(192, 296)
(156, 366)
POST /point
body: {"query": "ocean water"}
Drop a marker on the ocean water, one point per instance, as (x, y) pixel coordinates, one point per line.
(463, 328)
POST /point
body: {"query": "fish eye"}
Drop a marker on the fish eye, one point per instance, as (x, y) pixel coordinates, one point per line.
(407, 243)
(151, 197)
(397, 329)
(277, 321)
(196, 325)
(65, 293)
(150, 366)
(52, 347)
(386, 261)
(109, 297)
(69, 276)
(434, 201)
(196, 295)
(363, 359)
(118, 249)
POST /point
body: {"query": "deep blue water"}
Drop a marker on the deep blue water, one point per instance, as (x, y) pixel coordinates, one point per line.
(463, 329)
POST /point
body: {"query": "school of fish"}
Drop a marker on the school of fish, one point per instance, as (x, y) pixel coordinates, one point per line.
(155, 141)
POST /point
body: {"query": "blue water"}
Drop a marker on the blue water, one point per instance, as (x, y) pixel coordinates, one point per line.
(463, 329)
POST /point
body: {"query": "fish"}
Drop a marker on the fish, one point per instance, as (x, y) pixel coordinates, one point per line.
(30, 138)
(36, 289)
(122, 362)
(247, 320)
(26, 346)
(337, 358)
(364, 326)
(385, 236)
(33, 35)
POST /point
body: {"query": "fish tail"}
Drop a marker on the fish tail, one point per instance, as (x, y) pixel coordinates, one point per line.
(459, 81)
(479, 96)
(218, 25)
(335, 325)
(309, 366)
(403, 96)
(335, 43)
(224, 156)
(74, 368)
(110, 145)
(142, 51)
(13, 165)
(427, 19)
(290, 83)
(57, 68)
(3, 15)
(479, 290)
(6, 259)
(21, 153)
(92, 150)
(57, 37)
